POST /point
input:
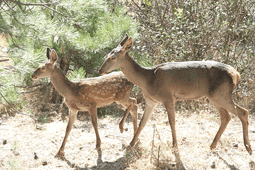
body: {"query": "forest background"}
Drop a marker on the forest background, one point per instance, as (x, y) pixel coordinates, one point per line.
(83, 32)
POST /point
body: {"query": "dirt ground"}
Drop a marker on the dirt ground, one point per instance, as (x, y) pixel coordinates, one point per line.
(21, 139)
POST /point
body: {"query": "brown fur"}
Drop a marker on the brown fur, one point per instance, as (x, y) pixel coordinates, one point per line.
(88, 95)
(234, 74)
(174, 81)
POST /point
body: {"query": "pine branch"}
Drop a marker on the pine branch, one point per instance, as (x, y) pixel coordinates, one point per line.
(39, 4)
(8, 6)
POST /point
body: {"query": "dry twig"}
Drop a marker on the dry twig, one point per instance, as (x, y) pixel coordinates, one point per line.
(17, 111)
(35, 89)
(4, 60)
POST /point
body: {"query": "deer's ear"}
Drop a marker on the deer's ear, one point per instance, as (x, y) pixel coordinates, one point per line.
(53, 57)
(128, 44)
(48, 51)
(124, 40)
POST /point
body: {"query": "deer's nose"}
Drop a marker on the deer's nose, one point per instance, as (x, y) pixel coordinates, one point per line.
(101, 72)
(33, 76)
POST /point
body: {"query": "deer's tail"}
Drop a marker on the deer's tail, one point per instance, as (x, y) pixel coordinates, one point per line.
(234, 74)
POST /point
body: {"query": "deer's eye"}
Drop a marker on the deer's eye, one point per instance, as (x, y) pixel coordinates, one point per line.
(43, 67)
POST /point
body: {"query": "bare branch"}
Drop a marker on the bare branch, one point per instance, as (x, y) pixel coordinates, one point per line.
(4, 60)
(36, 85)
(55, 10)
(9, 56)
(6, 100)
(8, 6)
(13, 107)
(139, 8)
(35, 89)
(36, 4)
(40, 4)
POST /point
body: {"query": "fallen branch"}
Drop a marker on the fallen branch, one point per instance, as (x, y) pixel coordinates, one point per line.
(4, 60)
(14, 108)
(6, 100)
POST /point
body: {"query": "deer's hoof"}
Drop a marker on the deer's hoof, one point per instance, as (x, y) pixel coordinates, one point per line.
(61, 155)
(213, 146)
(121, 128)
(128, 148)
(248, 148)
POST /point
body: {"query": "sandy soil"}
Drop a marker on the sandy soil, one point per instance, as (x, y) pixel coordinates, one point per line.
(24, 139)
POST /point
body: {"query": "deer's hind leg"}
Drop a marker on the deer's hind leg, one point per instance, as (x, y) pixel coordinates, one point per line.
(243, 116)
(223, 98)
(225, 118)
(130, 104)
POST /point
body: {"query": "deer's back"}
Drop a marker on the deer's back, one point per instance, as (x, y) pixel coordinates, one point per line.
(104, 90)
(190, 80)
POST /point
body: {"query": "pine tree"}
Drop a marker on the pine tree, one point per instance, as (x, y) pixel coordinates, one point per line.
(81, 32)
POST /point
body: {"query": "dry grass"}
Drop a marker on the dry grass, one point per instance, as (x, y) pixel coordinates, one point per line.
(195, 133)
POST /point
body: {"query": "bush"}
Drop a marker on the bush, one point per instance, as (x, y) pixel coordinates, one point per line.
(186, 30)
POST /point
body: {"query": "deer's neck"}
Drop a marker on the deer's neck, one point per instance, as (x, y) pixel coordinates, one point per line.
(138, 75)
(64, 86)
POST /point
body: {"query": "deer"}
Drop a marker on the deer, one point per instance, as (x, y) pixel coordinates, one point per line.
(169, 82)
(88, 94)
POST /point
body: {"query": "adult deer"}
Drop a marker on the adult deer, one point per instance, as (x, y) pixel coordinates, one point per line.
(170, 82)
(88, 94)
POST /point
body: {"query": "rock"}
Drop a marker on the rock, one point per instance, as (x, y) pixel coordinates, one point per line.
(184, 138)
(16, 153)
(4, 142)
(213, 166)
(40, 127)
(44, 163)
(235, 145)
(35, 156)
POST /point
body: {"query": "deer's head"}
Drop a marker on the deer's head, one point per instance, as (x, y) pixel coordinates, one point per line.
(46, 69)
(116, 58)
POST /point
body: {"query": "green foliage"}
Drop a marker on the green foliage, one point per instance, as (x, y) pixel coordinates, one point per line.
(143, 59)
(77, 75)
(44, 119)
(190, 30)
(87, 30)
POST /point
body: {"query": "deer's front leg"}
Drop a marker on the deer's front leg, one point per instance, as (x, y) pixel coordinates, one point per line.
(171, 117)
(72, 116)
(146, 115)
